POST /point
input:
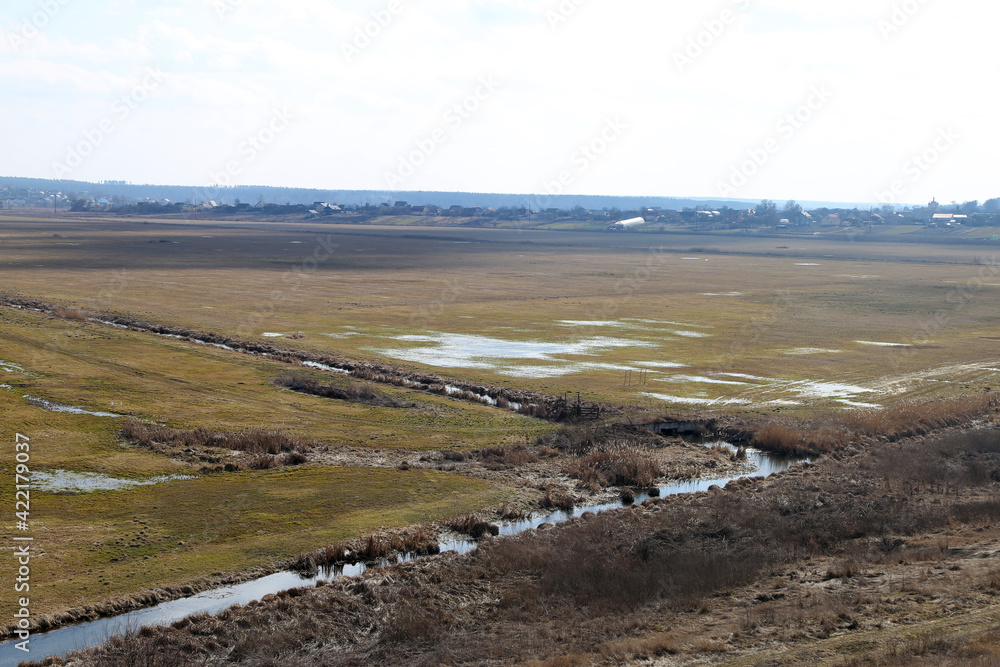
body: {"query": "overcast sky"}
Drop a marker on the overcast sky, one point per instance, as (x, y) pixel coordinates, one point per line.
(746, 98)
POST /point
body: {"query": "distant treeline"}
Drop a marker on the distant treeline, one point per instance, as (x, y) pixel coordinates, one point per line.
(307, 196)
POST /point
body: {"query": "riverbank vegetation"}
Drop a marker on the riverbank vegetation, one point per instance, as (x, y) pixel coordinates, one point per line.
(789, 554)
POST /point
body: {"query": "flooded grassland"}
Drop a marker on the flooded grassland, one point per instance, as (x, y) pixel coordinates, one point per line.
(641, 324)
(555, 312)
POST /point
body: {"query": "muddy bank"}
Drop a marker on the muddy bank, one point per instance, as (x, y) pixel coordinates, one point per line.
(535, 404)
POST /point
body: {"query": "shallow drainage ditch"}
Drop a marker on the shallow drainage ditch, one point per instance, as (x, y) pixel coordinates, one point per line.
(63, 640)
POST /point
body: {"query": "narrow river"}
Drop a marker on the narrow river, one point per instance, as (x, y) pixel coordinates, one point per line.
(61, 641)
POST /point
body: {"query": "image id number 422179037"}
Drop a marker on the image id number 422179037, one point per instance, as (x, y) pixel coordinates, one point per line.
(22, 541)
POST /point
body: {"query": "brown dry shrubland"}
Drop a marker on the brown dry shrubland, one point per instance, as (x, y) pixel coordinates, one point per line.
(981, 649)
(628, 558)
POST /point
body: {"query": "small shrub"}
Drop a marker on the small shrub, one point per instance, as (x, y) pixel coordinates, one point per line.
(511, 513)
(473, 525)
(617, 464)
(69, 313)
(295, 458)
(262, 462)
(557, 500)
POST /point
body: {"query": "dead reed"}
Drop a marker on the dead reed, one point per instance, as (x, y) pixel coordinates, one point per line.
(619, 463)
(371, 548)
(554, 499)
(253, 440)
(473, 525)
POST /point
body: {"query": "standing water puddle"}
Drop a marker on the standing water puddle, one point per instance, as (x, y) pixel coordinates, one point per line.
(51, 406)
(506, 357)
(66, 481)
(10, 367)
(80, 636)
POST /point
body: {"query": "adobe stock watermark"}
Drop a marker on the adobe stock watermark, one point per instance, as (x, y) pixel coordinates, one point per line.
(365, 35)
(33, 26)
(451, 291)
(562, 12)
(625, 289)
(919, 164)
(223, 8)
(251, 147)
(712, 30)
(116, 284)
(582, 159)
(121, 109)
(292, 282)
(959, 300)
(784, 129)
(22, 548)
(453, 119)
(900, 15)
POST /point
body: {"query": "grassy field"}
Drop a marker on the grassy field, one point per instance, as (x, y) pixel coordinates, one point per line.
(92, 542)
(183, 385)
(555, 311)
(723, 322)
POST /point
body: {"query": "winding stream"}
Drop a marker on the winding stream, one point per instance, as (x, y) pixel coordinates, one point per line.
(61, 641)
